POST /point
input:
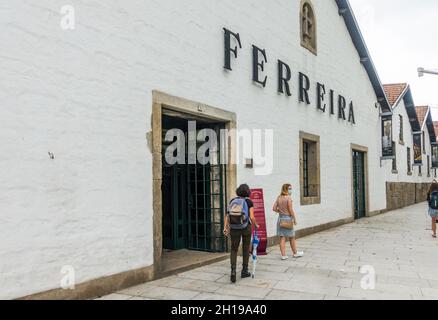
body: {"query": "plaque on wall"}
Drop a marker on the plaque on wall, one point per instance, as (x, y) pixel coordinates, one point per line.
(387, 145)
(434, 156)
(418, 156)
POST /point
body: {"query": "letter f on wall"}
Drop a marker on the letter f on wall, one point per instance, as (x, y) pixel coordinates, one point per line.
(228, 49)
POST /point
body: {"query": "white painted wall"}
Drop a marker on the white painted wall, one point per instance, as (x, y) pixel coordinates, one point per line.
(85, 96)
(401, 150)
(427, 177)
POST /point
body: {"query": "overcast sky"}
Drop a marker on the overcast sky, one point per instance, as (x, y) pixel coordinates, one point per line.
(401, 36)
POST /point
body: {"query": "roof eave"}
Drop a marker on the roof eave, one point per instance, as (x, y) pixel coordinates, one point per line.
(346, 12)
(400, 98)
(411, 110)
(428, 122)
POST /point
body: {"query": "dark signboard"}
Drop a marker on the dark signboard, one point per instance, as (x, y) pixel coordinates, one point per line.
(260, 216)
(418, 157)
(434, 156)
(387, 145)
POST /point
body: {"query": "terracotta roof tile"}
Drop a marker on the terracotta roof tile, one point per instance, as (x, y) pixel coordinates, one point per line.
(421, 113)
(394, 91)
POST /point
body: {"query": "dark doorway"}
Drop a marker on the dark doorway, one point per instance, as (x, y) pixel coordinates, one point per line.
(194, 195)
(359, 184)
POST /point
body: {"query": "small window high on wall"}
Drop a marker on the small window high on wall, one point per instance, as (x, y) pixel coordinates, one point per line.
(308, 26)
(424, 143)
(401, 128)
(428, 166)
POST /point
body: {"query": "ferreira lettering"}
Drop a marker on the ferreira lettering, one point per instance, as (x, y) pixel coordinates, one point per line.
(323, 98)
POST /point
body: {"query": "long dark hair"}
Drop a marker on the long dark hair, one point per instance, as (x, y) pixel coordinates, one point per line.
(433, 187)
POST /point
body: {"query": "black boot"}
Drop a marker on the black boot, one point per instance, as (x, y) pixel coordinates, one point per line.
(233, 275)
(245, 273)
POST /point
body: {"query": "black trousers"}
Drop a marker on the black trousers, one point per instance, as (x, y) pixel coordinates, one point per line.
(236, 235)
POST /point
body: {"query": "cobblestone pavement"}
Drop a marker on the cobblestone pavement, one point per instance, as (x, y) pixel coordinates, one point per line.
(398, 245)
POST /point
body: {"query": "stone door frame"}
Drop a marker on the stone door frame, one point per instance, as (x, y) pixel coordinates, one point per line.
(165, 101)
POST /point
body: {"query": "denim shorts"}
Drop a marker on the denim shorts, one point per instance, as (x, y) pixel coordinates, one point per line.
(281, 232)
(433, 213)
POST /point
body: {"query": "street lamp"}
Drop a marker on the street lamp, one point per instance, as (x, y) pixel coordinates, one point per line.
(422, 71)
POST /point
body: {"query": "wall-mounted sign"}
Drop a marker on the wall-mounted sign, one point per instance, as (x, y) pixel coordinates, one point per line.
(434, 156)
(418, 157)
(387, 145)
(326, 101)
(260, 216)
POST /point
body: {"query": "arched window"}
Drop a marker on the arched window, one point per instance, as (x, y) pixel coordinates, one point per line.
(308, 26)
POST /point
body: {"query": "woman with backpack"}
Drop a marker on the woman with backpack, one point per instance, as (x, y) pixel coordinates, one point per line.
(286, 221)
(238, 225)
(432, 199)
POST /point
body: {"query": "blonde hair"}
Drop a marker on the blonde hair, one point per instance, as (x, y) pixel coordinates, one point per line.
(285, 189)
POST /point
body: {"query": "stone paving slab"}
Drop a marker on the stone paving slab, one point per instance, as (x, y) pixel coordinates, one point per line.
(392, 288)
(405, 281)
(360, 294)
(166, 293)
(314, 287)
(398, 245)
(196, 285)
(430, 292)
(116, 296)
(309, 271)
(141, 298)
(243, 291)
(290, 295)
(257, 282)
(138, 290)
(196, 275)
(216, 296)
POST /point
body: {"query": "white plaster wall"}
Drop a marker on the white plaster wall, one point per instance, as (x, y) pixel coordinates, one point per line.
(427, 177)
(85, 96)
(401, 151)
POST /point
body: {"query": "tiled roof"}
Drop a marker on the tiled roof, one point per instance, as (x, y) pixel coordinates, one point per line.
(394, 91)
(421, 113)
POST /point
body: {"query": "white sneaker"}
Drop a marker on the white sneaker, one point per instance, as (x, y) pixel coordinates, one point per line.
(284, 258)
(299, 254)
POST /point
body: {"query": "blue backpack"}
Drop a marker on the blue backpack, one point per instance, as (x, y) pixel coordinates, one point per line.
(433, 202)
(238, 214)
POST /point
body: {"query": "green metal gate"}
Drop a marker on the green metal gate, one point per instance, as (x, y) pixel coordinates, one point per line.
(206, 207)
(359, 184)
(194, 202)
(174, 208)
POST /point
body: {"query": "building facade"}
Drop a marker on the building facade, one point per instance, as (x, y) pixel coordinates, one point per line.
(89, 194)
(410, 173)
